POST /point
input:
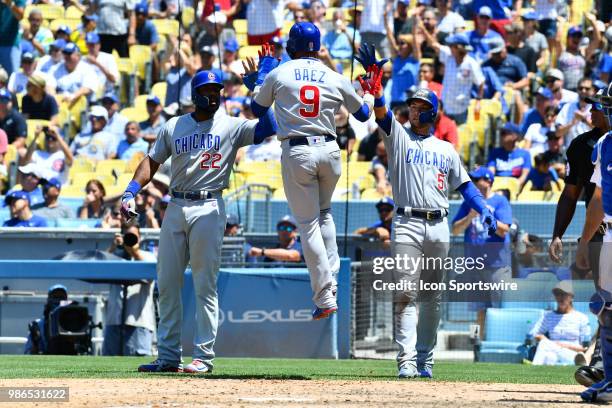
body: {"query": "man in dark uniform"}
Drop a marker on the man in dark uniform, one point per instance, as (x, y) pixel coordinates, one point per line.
(579, 172)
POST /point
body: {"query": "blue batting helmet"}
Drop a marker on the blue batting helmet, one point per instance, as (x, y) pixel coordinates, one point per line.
(304, 36)
(429, 97)
(200, 79)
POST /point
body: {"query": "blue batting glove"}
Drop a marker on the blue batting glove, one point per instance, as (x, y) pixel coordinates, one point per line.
(490, 221)
(367, 57)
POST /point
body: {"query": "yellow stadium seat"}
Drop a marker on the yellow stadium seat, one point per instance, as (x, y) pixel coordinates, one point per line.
(82, 164)
(188, 16)
(135, 114)
(537, 196)
(237, 180)
(166, 26)
(249, 51)
(73, 23)
(142, 56)
(73, 12)
(114, 190)
(243, 39)
(506, 183)
(81, 179)
(560, 188)
(134, 162)
(286, 28)
(240, 26)
(10, 155)
(124, 179)
(32, 124)
(48, 11)
(371, 194)
(107, 166)
(159, 90)
(465, 136)
(125, 65)
(279, 194)
(140, 102)
(72, 191)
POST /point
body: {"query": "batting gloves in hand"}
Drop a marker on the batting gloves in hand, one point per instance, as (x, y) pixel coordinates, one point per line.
(490, 221)
(372, 83)
(128, 206)
(367, 57)
(267, 62)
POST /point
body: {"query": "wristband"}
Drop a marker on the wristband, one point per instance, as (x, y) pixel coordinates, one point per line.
(379, 102)
(133, 188)
(263, 251)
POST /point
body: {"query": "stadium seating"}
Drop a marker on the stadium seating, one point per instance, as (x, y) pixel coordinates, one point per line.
(506, 183)
(188, 16)
(142, 56)
(107, 167)
(505, 333)
(73, 13)
(32, 125)
(159, 90)
(135, 114)
(166, 26)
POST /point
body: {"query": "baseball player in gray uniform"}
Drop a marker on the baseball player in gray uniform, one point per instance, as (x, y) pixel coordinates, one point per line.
(306, 96)
(203, 150)
(422, 170)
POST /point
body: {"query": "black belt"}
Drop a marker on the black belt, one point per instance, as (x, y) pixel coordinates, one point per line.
(298, 141)
(194, 195)
(428, 215)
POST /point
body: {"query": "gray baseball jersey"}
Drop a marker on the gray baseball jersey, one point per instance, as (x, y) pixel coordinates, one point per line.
(422, 170)
(306, 95)
(203, 153)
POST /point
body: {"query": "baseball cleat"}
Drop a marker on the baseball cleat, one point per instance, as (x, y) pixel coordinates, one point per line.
(197, 367)
(408, 371)
(599, 392)
(426, 372)
(158, 366)
(588, 376)
(319, 313)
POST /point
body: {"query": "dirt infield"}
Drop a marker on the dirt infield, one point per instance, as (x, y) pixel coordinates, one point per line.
(202, 392)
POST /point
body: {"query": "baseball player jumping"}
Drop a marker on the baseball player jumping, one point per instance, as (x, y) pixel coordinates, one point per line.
(203, 150)
(600, 208)
(423, 170)
(306, 95)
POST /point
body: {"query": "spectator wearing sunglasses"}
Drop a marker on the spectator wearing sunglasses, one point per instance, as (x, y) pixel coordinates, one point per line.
(52, 209)
(575, 117)
(288, 249)
(381, 230)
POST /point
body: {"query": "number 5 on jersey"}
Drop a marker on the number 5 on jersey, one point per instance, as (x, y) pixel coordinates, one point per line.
(309, 96)
(441, 181)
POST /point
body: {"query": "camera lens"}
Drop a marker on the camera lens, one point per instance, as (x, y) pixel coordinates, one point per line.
(130, 239)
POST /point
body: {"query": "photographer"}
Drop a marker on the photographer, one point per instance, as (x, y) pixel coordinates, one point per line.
(56, 158)
(38, 335)
(134, 335)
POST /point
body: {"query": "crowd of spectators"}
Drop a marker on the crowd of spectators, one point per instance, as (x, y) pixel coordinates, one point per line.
(540, 60)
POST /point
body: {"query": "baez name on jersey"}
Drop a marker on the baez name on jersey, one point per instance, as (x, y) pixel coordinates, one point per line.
(204, 141)
(439, 160)
(307, 74)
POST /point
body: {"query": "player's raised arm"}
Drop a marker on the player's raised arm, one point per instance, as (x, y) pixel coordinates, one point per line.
(372, 84)
(254, 79)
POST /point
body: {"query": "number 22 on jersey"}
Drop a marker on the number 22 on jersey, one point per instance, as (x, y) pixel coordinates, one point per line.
(209, 161)
(309, 96)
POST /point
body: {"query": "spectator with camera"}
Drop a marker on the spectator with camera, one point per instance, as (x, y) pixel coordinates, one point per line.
(130, 315)
(21, 214)
(52, 210)
(55, 159)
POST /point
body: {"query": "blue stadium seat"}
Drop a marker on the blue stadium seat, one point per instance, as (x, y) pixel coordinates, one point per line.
(531, 294)
(77, 223)
(505, 333)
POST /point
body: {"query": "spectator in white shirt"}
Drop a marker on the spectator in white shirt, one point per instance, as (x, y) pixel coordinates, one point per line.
(264, 20)
(562, 333)
(449, 22)
(75, 78)
(97, 144)
(372, 27)
(102, 63)
(47, 62)
(461, 72)
(56, 158)
(536, 137)
(575, 117)
(19, 79)
(555, 81)
(268, 150)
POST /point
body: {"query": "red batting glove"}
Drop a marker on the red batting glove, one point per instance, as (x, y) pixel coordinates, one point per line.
(267, 50)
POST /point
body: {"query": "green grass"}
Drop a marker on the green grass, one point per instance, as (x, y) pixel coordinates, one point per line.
(290, 369)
